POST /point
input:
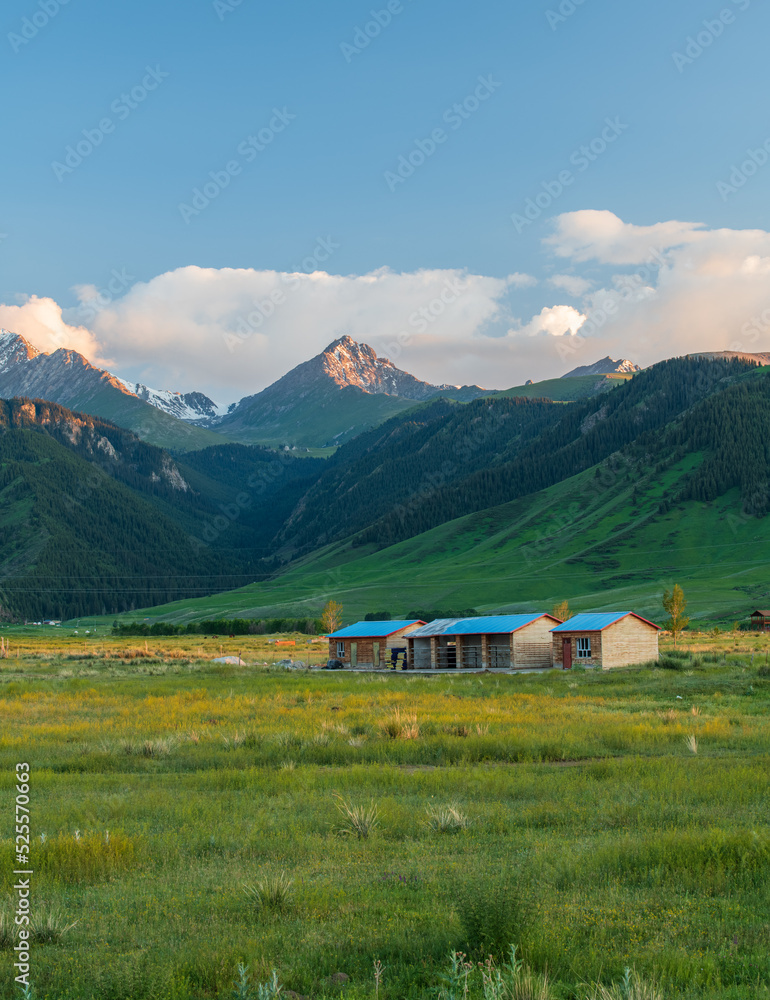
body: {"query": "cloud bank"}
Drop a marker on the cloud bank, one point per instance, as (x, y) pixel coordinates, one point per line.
(642, 292)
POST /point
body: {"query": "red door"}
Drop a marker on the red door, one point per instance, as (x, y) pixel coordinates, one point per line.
(566, 655)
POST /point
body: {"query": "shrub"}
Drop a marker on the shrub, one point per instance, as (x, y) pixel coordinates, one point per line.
(668, 662)
(447, 819)
(513, 981)
(243, 989)
(491, 912)
(633, 987)
(271, 893)
(361, 820)
(48, 926)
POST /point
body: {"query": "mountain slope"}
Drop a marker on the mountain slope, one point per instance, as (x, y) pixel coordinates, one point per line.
(564, 390)
(415, 473)
(67, 378)
(75, 539)
(92, 517)
(328, 400)
(679, 505)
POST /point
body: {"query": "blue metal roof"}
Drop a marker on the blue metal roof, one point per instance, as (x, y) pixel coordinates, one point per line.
(491, 625)
(363, 630)
(595, 622)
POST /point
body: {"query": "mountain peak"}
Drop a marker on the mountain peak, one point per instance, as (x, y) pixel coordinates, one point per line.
(14, 349)
(607, 366)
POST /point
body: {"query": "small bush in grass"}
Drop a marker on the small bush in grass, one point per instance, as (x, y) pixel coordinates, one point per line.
(244, 989)
(447, 819)
(272, 893)
(513, 981)
(632, 987)
(49, 925)
(668, 662)
(361, 820)
(691, 742)
(491, 911)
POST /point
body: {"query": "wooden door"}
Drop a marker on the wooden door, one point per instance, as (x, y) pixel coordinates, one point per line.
(354, 654)
(566, 655)
(376, 650)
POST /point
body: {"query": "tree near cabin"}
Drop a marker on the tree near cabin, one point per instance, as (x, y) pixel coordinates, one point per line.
(674, 604)
(562, 611)
(331, 616)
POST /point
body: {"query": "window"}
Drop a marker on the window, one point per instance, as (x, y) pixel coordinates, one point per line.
(584, 648)
(340, 649)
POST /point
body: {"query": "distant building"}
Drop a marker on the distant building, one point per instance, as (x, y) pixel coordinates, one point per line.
(605, 640)
(496, 642)
(760, 621)
(371, 644)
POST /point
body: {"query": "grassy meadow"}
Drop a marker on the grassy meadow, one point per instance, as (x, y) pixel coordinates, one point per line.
(189, 817)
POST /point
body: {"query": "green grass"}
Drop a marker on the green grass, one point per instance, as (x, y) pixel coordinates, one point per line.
(638, 853)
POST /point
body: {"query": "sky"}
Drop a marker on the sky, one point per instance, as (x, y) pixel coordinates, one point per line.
(202, 195)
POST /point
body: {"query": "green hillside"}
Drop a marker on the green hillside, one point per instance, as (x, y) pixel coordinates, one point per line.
(583, 540)
(318, 417)
(92, 517)
(567, 390)
(146, 421)
(683, 499)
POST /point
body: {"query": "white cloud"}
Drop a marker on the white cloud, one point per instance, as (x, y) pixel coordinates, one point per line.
(558, 321)
(40, 321)
(230, 332)
(234, 331)
(571, 283)
(602, 236)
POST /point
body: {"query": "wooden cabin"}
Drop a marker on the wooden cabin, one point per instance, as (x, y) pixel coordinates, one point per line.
(760, 621)
(497, 642)
(605, 640)
(372, 645)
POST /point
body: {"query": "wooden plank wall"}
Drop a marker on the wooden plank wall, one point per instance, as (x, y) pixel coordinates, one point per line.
(629, 641)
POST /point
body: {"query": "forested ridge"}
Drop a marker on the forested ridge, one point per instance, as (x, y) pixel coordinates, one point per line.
(93, 520)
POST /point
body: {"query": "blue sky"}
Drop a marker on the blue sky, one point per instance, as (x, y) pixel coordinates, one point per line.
(346, 118)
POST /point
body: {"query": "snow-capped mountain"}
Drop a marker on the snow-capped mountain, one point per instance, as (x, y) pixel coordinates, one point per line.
(342, 391)
(607, 366)
(25, 371)
(67, 378)
(190, 406)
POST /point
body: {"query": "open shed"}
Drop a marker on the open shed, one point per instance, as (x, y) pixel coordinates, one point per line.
(605, 639)
(496, 642)
(371, 644)
(760, 621)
